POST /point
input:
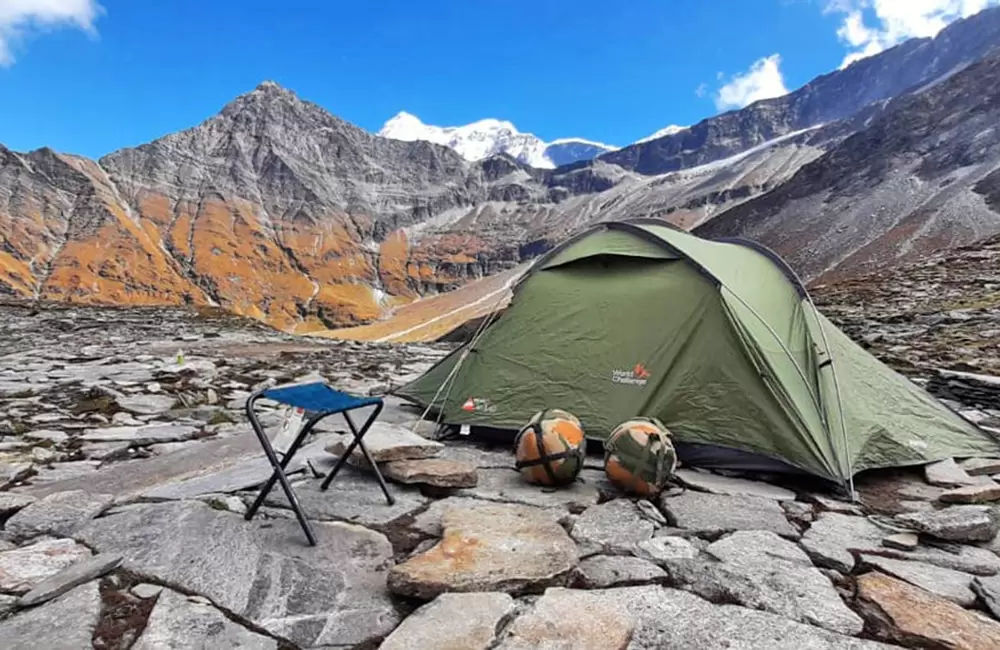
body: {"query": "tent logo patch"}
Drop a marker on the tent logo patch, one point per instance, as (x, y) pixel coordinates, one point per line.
(478, 404)
(637, 376)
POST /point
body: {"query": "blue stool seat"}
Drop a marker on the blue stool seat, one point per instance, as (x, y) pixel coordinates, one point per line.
(320, 400)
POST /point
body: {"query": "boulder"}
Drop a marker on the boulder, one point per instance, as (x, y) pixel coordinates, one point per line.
(69, 578)
(178, 622)
(495, 547)
(23, 568)
(437, 472)
(714, 514)
(453, 622)
(611, 528)
(66, 623)
(716, 484)
(61, 513)
(332, 594)
(955, 523)
(604, 571)
(946, 583)
(899, 612)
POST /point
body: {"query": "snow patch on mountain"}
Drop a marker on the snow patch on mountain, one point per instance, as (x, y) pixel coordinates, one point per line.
(490, 137)
(673, 129)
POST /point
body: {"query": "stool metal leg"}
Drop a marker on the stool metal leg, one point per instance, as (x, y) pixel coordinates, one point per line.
(286, 459)
(358, 435)
(278, 473)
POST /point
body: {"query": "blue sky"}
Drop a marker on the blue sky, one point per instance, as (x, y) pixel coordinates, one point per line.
(91, 76)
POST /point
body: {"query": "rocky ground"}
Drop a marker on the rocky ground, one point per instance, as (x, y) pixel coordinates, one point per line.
(126, 463)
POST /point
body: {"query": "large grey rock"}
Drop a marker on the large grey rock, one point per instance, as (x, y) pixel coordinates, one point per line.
(7, 604)
(716, 484)
(330, 594)
(147, 404)
(61, 513)
(592, 626)
(142, 436)
(453, 622)
(757, 545)
(11, 502)
(902, 541)
(386, 442)
(178, 623)
(495, 547)
(604, 571)
(247, 474)
(966, 559)
(428, 522)
(66, 623)
(23, 568)
(353, 496)
(832, 537)
(988, 590)
(763, 571)
(953, 585)
(713, 514)
(507, 486)
(670, 619)
(982, 493)
(69, 578)
(947, 473)
(956, 523)
(611, 528)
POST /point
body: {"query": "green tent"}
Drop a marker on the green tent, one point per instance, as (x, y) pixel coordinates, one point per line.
(717, 339)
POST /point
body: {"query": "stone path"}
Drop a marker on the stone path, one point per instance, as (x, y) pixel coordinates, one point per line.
(124, 476)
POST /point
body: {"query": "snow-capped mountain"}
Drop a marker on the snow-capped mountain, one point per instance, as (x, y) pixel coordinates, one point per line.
(673, 129)
(489, 137)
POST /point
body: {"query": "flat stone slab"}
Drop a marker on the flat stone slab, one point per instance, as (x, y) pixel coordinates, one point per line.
(147, 404)
(955, 523)
(670, 619)
(611, 528)
(428, 522)
(23, 568)
(354, 496)
(832, 537)
(947, 473)
(765, 572)
(61, 514)
(899, 612)
(902, 541)
(966, 559)
(480, 456)
(142, 436)
(605, 571)
(385, 443)
(11, 473)
(988, 590)
(666, 550)
(981, 466)
(66, 623)
(507, 486)
(453, 622)
(549, 627)
(263, 570)
(438, 472)
(180, 622)
(946, 583)
(716, 484)
(981, 493)
(713, 514)
(69, 578)
(496, 547)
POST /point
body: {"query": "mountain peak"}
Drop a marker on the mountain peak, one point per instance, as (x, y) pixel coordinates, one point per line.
(672, 129)
(490, 137)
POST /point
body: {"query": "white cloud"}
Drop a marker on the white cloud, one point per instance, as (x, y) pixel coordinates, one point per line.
(19, 18)
(762, 81)
(895, 21)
